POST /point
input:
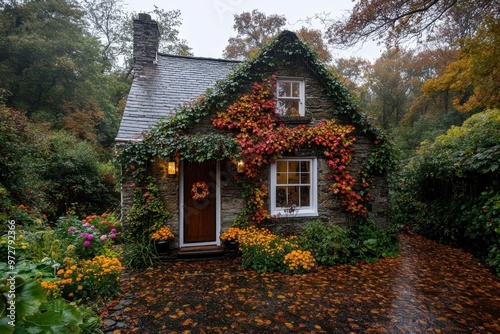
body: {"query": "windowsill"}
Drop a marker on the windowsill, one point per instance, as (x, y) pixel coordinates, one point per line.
(296, 119)
(303, 213)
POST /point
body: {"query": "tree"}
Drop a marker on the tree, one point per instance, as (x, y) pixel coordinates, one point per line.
(106, 20)
(314, 39)
(254, 30)
(353, 74)
(112, 25)
(402, 20)
(390, 82)
(475, 75)
(52, 67)
(169, 35)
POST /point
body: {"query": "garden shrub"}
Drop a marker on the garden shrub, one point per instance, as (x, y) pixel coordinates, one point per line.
(48, 170)
(140, 253)
(373, 243)
(449, 190)
(329, 243)
(51, 269)
(73, 176)
(268, 252)
(43, 244)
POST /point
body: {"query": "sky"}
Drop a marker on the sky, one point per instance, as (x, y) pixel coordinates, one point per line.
(208, 24)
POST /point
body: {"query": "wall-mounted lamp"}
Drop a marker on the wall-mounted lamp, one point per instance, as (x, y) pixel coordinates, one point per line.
(240, 166)
(169, 168)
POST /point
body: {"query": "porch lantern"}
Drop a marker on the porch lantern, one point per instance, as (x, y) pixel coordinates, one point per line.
(240, 166)
(169, 168)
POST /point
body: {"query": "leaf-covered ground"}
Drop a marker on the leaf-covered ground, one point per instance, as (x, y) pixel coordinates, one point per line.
(429, 288)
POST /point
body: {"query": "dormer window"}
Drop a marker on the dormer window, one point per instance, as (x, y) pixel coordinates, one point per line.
(290, 97)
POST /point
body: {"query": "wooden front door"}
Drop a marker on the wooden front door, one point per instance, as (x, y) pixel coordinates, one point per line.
(200, 214)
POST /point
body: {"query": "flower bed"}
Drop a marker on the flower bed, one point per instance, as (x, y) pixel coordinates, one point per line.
(61, 269)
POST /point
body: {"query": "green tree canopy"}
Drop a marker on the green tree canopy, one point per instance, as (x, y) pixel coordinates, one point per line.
(53, 69)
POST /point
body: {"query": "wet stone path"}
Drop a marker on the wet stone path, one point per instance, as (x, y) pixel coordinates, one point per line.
(429, 288)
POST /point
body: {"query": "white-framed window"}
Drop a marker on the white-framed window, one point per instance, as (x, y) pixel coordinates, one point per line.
(293, 190)
(290, 97)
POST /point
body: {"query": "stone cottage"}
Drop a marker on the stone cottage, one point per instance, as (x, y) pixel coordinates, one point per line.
(216, 162)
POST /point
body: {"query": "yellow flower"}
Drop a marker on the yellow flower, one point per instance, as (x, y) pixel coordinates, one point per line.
(163, 233)
(231, 234)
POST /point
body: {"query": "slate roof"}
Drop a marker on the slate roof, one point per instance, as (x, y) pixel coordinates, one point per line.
(158, 89)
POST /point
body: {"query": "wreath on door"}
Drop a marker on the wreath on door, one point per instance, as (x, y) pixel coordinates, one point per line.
(199, 190)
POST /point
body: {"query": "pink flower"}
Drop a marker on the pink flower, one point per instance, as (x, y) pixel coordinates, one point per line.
(103, 237)
(113, 230)
(86, 243)
(71, 229)
(112, 236)
(89, 237)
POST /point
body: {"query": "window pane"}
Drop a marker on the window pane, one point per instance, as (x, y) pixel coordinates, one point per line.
(280, 196)
(288, 107)
(293, 196)
(295, 89)
(304, 178)
(284, 89)
(281, 107)
(281, 166)
(304, 196)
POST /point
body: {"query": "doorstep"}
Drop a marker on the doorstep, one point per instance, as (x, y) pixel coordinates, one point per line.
(200, 251)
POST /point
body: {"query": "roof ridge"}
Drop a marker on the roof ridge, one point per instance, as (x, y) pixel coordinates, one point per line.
(200, 58)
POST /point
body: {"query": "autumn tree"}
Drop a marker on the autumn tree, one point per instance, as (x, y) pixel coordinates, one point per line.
(254, 30)
(390, 81)
(314, 39)
(475, 75)
(403, 20)
(353, 73)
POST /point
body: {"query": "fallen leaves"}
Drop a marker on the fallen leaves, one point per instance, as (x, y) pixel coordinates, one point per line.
(430, 288)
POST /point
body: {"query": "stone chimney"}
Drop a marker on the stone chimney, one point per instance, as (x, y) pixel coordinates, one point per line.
(146, 41)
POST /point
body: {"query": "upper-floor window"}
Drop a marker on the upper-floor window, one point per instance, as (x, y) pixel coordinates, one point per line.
(290, 97)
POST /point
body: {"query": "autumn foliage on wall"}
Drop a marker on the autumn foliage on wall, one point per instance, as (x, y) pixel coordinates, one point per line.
(262, 138)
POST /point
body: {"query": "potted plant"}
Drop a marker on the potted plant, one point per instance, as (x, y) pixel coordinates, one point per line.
(230, 238)
(162, 238)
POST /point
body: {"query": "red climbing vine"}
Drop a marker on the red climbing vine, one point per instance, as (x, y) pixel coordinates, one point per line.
(263, 138)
